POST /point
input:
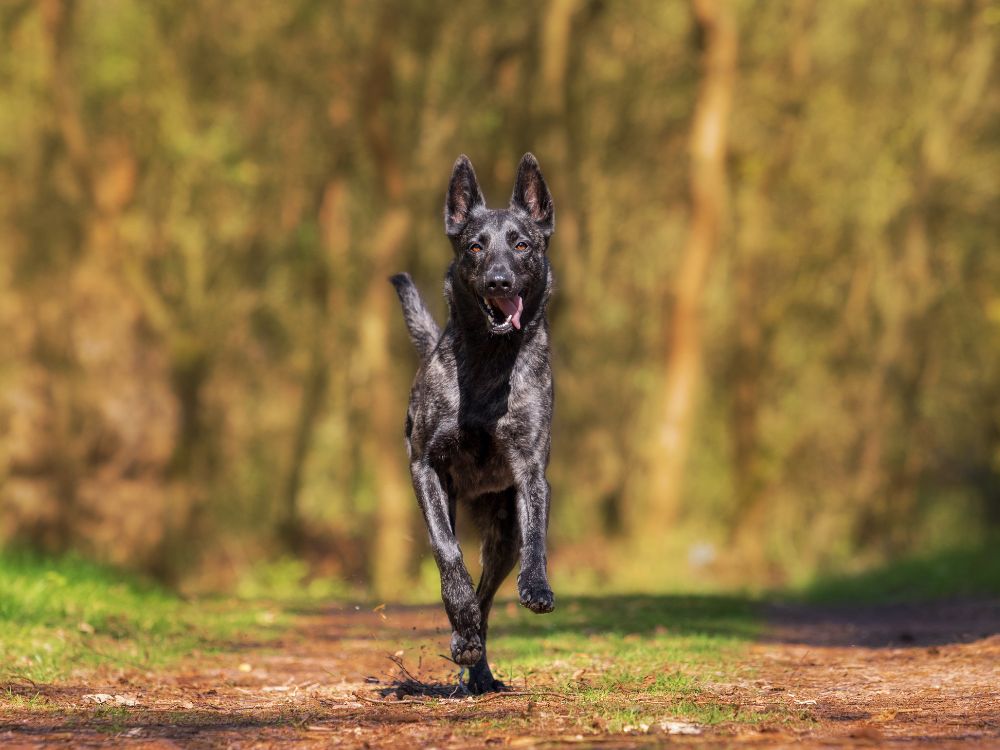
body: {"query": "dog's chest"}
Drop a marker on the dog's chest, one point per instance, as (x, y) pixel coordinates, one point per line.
(501, 410)
(478, 463)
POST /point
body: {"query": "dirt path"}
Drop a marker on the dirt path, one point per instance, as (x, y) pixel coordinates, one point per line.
(905, 675)
(901, 674)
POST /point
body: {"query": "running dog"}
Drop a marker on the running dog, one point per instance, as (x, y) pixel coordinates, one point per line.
(479, 419)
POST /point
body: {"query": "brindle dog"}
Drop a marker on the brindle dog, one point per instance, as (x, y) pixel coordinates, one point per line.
(478, 423)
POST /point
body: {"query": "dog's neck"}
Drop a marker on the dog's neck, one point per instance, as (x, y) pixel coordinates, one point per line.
(471, 333)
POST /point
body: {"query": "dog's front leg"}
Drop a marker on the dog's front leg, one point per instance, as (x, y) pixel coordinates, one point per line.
(456, 585)
(533, 518)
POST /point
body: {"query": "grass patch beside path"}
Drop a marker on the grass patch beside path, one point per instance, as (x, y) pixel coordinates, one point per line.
(630, 661)
(60, 615)
(955, 572)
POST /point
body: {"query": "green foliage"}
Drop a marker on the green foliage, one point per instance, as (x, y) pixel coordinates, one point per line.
(203, 365)
(58, 615)
(288, 580)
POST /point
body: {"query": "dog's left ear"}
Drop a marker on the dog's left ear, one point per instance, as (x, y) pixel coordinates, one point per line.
(532, 196)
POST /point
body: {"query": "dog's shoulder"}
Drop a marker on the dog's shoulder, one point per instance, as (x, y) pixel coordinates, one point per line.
(435, 395)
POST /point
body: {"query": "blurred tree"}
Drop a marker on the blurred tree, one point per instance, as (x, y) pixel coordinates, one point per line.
(716, 29)
(203, 364)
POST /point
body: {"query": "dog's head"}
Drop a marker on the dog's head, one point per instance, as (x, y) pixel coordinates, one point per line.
(500, 259)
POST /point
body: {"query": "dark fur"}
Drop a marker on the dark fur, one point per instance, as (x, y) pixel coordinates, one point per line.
(478, 424)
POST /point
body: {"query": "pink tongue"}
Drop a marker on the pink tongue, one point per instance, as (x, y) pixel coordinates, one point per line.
(511, 307)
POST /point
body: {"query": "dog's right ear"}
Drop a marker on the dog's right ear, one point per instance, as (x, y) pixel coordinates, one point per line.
(464, 196)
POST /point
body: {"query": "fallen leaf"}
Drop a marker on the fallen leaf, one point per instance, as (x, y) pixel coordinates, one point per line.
(244, 667)
(99, 697)
(679, 727)
(119, 700)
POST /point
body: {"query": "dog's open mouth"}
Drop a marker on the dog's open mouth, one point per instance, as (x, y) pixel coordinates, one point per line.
(503, 313)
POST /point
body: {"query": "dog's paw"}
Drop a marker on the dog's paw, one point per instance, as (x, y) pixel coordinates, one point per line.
(482, 681)
(537, 597)
(466, 651)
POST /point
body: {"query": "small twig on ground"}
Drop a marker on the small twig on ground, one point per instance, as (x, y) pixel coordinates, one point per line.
(13, 676)
(396, 702)
(399, 663)
(427, 698)
(523, 694)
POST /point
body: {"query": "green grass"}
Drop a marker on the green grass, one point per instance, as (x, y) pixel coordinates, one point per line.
(954, 572)
(638, 634)
(631, 660)
(60, 615)
(33, 701)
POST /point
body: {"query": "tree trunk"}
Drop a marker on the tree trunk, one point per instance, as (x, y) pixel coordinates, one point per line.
(382, 452)
(748, 362)
(326, 311)
(708, 197)
(313, 393)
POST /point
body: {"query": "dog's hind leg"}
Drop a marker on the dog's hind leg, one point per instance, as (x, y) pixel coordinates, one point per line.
(460, 601)
(496, 516)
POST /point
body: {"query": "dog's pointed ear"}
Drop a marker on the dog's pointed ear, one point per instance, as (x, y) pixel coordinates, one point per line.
(532, 195)
(464, 196)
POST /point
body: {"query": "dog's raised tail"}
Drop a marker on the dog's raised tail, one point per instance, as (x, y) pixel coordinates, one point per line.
(424, 331)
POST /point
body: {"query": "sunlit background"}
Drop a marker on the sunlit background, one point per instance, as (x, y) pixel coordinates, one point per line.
(776, 328)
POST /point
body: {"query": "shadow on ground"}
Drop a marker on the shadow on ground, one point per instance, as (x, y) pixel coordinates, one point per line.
(949, 596)
(889, 625)
(892, 625)
(187, 725)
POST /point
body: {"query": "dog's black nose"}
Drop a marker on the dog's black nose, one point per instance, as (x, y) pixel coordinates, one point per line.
(499, 280)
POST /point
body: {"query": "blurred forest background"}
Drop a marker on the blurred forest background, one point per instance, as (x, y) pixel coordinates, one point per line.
(777, 322)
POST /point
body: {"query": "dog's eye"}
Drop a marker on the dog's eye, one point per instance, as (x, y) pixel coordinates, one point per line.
(522, 245)
(475, 247)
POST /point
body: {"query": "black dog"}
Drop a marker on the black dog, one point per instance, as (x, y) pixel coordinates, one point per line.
(477, 428)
